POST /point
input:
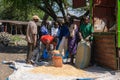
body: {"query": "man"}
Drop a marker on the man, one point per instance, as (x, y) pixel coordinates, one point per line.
(86, 29)
(63, 38)
(31, 37)
(55, 30)
(43, 29)
(85, 32)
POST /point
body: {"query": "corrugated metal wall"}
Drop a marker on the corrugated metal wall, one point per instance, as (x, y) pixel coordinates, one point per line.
(79, 3)
(105, 9)
(105, 42)
(105, 2)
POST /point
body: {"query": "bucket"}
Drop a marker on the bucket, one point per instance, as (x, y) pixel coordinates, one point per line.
(57, 60)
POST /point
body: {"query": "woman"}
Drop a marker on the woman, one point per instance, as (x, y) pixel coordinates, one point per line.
(72, 40)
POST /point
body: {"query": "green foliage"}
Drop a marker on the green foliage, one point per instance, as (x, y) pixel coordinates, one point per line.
(25, 9)
(21, 10)
(15, 38)
(35, 11)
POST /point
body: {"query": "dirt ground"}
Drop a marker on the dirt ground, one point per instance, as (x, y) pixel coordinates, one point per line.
(10, 53)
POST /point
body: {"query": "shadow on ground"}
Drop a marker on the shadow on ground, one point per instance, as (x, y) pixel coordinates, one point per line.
(13, 49)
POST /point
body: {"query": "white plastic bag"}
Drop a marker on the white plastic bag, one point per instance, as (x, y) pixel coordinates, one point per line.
(63, 46)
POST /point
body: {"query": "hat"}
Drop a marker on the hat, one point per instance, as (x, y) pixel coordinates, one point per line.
(36, 17)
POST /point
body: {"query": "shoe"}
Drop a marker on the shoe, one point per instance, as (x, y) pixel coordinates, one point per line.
(28, 62)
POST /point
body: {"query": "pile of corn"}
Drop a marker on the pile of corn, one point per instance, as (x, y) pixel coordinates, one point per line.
(65, 71)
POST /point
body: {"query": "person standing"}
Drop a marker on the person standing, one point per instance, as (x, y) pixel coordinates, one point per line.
(86, 30)
(72, 40)
(55, 30)
(31, 37)
(63, 38)
(85, 33)
(43, 29)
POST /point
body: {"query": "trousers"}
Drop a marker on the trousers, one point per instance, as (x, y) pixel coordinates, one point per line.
(30, 49)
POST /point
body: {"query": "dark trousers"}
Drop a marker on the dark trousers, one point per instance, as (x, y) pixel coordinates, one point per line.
(92, 61)
(30, 52)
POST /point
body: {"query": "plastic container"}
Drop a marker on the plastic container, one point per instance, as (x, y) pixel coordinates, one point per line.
(57, 60)
(83, 55)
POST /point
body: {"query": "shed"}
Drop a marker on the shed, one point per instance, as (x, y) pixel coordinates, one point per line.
(106, 43)
(18, 27)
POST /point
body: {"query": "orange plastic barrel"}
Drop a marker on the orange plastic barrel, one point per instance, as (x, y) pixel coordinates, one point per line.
(57, 60)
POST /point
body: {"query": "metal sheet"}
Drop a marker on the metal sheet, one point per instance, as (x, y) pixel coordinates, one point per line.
(105, 9)
(111, 3)
(99, 12)
(79, 3)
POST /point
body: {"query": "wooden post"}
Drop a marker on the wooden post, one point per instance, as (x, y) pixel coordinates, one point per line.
(15, 29)
(118, 23)
(11, 28)
(5, 27)
(20, 27)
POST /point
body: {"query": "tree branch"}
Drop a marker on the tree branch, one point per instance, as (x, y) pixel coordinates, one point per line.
(46, 11)
(49, 8)
(59, 2)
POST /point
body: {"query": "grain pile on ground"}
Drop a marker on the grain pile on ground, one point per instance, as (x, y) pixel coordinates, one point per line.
(66, 70)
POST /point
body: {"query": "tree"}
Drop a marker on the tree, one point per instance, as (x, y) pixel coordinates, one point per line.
(50, 7)
(11, 11)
